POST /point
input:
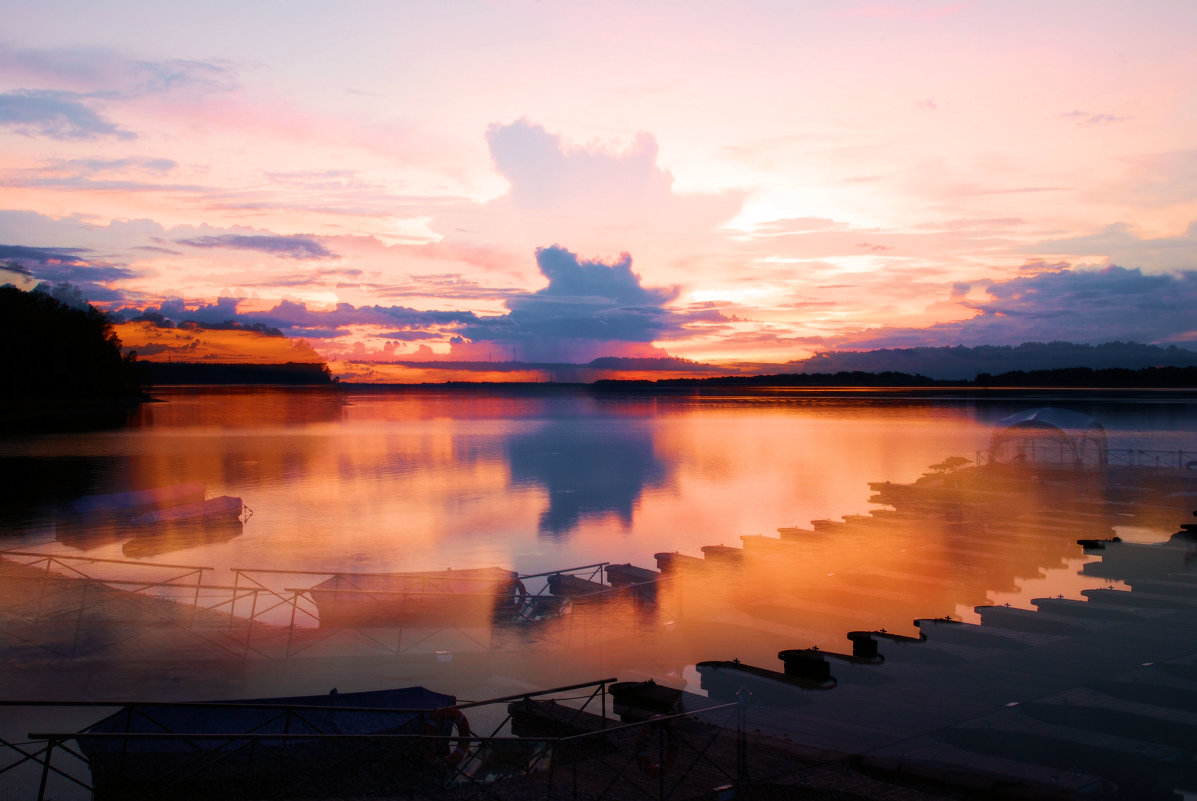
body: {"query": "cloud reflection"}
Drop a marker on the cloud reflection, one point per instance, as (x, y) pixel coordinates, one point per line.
(589, 468)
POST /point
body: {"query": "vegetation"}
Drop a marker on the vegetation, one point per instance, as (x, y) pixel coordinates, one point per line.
(53, 350)
(291, 373)
(1147, 378)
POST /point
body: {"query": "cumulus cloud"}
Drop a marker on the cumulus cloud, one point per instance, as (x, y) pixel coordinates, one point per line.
(544, 172)
(591, 195)
(1083, 306)
(57, 115)
(289, 247)
(590, 308)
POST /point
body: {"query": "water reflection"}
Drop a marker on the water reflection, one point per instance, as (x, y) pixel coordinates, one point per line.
(427, 480)
(588, 468)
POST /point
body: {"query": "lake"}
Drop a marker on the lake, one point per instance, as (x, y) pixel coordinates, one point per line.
(543, 478)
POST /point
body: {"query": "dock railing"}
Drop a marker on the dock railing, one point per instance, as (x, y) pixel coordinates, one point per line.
(263, 613)
(595, 756)
(1128, 457)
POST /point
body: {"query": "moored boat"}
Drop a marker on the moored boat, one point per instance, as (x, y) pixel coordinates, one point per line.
(272, 748)
(474, 596)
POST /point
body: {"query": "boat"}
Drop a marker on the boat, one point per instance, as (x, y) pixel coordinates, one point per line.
(725, 680)
(172, 751)
(123, 505)
(446, 598)
(221, 509)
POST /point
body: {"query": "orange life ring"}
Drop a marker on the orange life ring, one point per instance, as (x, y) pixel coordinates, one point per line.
(442, 723)
(656, 747)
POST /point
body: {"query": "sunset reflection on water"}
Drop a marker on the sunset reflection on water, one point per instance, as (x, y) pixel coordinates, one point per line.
(536, 480)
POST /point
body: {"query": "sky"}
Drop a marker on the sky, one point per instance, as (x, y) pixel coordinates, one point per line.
(738, 184)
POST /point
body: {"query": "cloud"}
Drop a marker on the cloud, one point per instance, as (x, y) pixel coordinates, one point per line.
(590, 308)
(33, 255)
(290, 247)
(544, 172)
(14, 274)
(1083, 306)
(591, 195)
(1118, 244)
(296, 319)
(57, 115)
(73, 266)
(107, 71)
(1087, 119)
(94, 166)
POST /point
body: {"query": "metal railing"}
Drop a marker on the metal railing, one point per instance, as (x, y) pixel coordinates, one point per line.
(260, 614)
(592, 756)
(1123, 457)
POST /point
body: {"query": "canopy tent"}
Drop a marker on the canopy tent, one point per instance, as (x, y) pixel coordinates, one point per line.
(1049, 437)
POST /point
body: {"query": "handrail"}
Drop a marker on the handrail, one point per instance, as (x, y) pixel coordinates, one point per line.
(136, 583)
(264, 705)
(523, 576)
(134, 562)
(414, 573)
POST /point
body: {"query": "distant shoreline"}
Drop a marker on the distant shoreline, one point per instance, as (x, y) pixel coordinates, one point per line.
(164, 374)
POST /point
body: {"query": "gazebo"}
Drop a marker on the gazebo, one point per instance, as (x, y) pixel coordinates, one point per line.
(1049, 438)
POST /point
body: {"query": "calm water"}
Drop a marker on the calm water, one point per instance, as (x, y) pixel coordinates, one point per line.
(544, 479)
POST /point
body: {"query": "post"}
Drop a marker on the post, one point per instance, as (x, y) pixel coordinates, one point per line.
(291, 628)
(41, 790)
(253, 612)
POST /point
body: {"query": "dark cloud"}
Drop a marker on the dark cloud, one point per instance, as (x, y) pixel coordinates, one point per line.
(32, 255)
(1083, 306)
(73, 266)
(296, 319)
(230, 325)
(57, 115)
(290, 247)
(13, 267)
(601, 303)
(409, 336)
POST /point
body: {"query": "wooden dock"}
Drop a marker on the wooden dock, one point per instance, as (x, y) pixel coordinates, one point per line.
(1058, 703)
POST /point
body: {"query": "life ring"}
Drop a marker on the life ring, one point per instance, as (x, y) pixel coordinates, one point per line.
(656, 747)
(512, 602)
(442, 723)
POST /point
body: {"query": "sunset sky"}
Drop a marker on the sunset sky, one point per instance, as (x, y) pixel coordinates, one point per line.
(558, 181)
